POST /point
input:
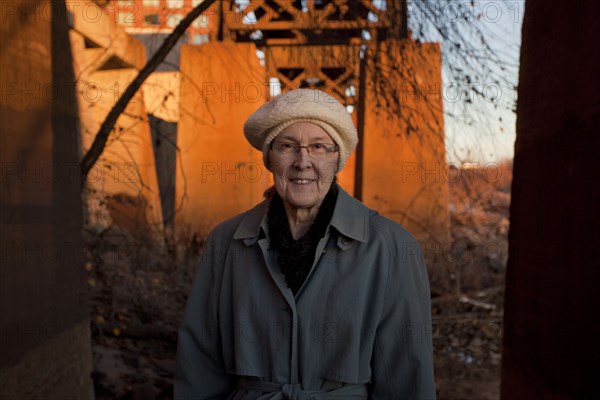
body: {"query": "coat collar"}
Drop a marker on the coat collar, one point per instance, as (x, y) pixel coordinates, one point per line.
(350, 218)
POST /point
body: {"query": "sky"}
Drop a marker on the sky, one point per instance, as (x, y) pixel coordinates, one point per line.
(487, 132)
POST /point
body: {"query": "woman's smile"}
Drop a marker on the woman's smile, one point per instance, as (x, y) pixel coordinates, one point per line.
(302, 181)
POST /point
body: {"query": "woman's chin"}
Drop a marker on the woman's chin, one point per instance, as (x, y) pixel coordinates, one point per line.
(298, 202)
(302, 199)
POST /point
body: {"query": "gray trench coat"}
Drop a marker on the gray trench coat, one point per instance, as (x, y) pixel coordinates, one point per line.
(359, 327)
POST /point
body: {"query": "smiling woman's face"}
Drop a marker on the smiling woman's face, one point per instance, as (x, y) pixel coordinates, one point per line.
(301, 179)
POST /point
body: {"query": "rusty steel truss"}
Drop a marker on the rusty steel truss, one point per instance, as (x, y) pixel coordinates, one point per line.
(312, 43)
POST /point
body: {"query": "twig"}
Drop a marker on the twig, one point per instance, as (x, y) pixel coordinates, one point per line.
(97, 148)
(480, 304)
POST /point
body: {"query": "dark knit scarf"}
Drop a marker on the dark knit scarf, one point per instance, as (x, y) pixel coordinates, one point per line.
(296, 256)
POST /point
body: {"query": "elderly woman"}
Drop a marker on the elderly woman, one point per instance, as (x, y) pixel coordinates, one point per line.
(310, 294)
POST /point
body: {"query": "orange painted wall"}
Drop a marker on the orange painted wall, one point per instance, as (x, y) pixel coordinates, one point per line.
(218, 173)
(404, 171)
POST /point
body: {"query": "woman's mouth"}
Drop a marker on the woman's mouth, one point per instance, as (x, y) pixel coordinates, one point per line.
(299, 181)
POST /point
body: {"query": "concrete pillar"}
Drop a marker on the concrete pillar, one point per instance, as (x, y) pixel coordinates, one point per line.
(404, 165)
(45, 347)
(161, 98)
(218, 173)
(122, 187)
(125, 175)
(550, 348)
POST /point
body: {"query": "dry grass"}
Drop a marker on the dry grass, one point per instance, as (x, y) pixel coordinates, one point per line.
(468, 286)
(139, 286)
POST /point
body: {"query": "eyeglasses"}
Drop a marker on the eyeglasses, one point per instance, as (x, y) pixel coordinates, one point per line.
(314, 149)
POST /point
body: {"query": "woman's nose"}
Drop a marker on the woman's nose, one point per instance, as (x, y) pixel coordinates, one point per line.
(302, 158)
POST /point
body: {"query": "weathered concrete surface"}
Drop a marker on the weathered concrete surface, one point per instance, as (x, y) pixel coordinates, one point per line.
(161, 99)
(106, 39)
(57, 369)
(128, 178)
(42, 279)
(218, 173)
(164, 142)
(122, 187)
(161, 95)
(550, 348)
(404, 170)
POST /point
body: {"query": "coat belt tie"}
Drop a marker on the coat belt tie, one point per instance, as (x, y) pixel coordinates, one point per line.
(293, 391)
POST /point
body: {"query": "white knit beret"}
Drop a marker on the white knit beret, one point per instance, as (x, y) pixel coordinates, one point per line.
(302, 105)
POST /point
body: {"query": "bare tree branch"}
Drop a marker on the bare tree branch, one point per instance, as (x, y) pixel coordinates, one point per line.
(91, 157)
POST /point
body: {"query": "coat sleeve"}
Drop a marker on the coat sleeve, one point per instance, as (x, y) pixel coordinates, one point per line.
(200, 372)
(402, 361)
